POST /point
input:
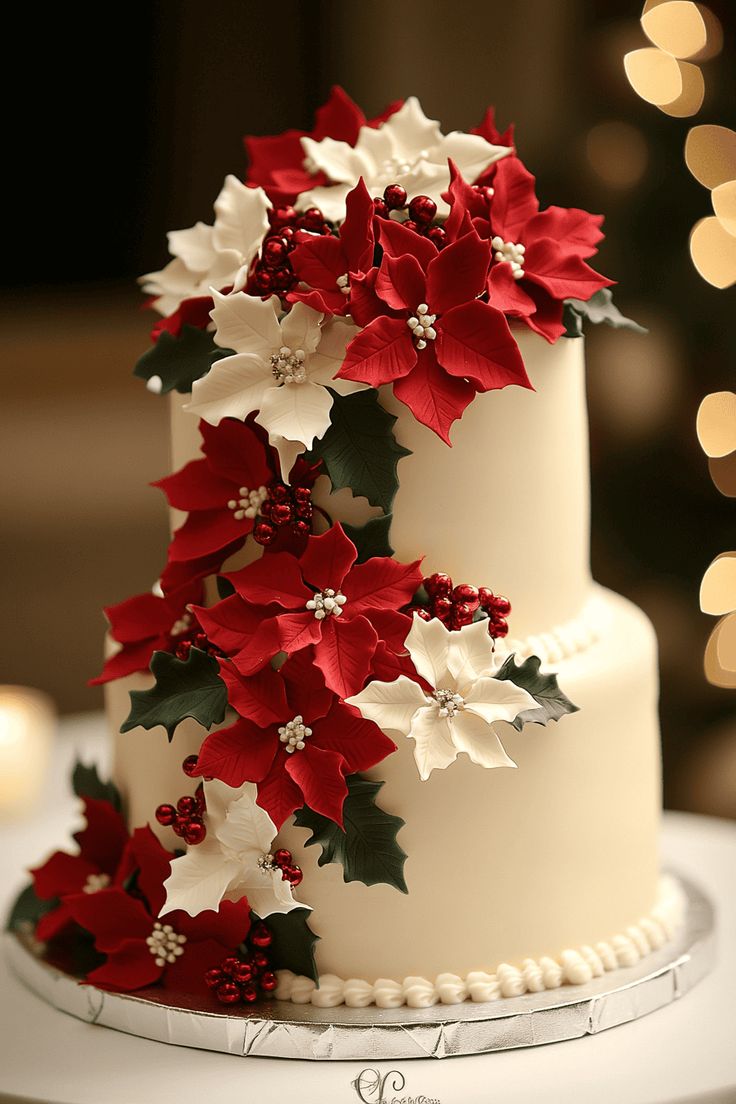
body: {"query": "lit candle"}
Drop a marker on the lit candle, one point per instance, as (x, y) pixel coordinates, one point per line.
(27, 724)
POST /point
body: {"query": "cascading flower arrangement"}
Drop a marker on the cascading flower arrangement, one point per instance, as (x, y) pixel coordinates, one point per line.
(363, 256)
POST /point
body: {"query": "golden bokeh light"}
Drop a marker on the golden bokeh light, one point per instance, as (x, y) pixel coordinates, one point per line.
(716, 425)
(718, 589)
(677, 27)
(690, 100)
(718, 672)
(710, 154)
(713, 33)
(724, 205)
(713, 251)
(617, 153)
(654, 75)
(723, 473)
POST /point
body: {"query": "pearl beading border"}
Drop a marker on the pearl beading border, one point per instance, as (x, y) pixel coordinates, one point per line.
(563, 641)
(570, 967)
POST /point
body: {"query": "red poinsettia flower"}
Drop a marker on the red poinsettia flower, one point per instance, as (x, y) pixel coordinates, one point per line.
(236, 484)
(277, 161)
(141, 949)
(538, 257)
(190, 312)
(297, 742)
(155, 621)
(101, 844)
(326, 264)
(325, 599)
(437, 343)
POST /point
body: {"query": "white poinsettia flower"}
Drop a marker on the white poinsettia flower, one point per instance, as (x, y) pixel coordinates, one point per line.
(280, 368)
(408, 149)
(233, 861)
(218, 255)
(459, 712)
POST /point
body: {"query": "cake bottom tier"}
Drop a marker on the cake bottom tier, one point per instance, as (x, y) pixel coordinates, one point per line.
(517, 879)
(510, 865)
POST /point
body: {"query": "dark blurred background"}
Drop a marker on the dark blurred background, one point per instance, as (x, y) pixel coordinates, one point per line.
(139, 113)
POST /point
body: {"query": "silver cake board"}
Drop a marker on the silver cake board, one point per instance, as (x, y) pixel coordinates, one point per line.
(280, 1029)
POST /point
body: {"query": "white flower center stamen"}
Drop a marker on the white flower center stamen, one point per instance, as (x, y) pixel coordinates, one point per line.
(184, 623)
(393, 168)
(249, 503)
(165, 944)
(512, 253)
(449, 703)
(294, 734)
(287, 365)
(421, 325)
(266, 863)
(325, 602)
(96, 882)
(343, 282)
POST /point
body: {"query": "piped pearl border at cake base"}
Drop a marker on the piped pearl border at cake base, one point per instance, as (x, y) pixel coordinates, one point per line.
(279, 1029)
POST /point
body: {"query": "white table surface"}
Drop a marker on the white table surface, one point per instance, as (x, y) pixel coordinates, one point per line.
(682, 1053)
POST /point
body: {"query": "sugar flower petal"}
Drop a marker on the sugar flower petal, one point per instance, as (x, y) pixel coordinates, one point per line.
(391, 705)
(471, 734)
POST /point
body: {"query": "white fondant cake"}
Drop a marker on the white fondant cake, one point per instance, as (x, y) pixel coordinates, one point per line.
(400, 785)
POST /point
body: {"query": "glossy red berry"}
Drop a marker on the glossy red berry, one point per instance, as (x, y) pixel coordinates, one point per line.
(263, 280)
(268, 981)
(302, 528)
(229, 965)
(443, 608)
(395, 196)
(187, 805)
(189, 766)
(282, 513)
(464, 592)
(282, 279)
(166, 815)
(410, 224)
(249, 993)
(499, 627)
(485, 597)
(281, 216)
(302, 495)
(279, 492)
(213, 978)
(437, 235)
(264, 532)
(195, 831)
(313, 220)
(380, 208)
(293, 875)
(287, 233)
(438, 585)
(180, 825)
(462, 614)
(228, 993)
(501, 606)
(275, 251)
(422, 209)
(420, 611)
(261, 960)
(243, 973)
(282, 857)
(260, 936)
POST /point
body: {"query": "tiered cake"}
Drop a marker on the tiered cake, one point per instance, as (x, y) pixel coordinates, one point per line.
(379, 431)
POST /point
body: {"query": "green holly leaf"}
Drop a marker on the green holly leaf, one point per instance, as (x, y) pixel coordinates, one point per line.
(371, 539)
(178, 361)
(359, 449)
(189, 687)
(599, 308)
(86, 782)
(551, 702)
(28, 909)
(367, 847)
(292, 946)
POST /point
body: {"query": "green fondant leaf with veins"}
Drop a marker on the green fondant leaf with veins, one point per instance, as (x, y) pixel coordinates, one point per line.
(551, 702)
(178, 361)
(599, 308)
(359, 449)
(189, 687)
(367, 847)
(371, 539)
(292, 946)
(86, 782)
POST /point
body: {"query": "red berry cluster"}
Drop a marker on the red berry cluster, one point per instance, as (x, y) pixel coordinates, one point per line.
(273, 272)
(193, 637)
(186, 817)
(285, 506)
(421, 211)
(456, 606)
(244, 979)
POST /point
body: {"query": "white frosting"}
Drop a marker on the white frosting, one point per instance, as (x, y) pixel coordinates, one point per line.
(571, 967)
